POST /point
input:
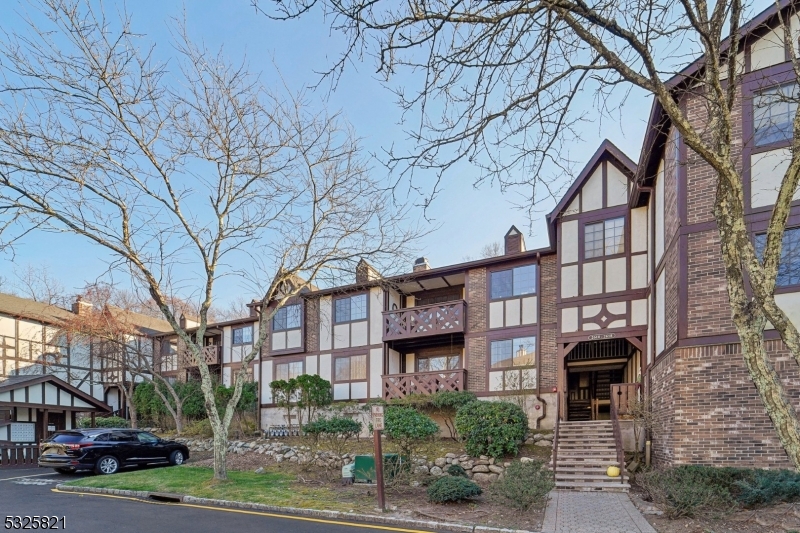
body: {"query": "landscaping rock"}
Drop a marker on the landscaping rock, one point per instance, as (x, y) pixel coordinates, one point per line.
(440, 462)
(544, 443)
(260, 470)
(422, 469)
(436, 471)
(525, 460)
(482, 478)
(480, 469)
(450, 455)
(496, 469)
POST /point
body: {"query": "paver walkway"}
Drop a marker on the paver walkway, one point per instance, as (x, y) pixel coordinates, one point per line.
(593, 512)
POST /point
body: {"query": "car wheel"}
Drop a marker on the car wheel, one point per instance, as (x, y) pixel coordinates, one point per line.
(107, 464)
(176, 458)
(65, 470)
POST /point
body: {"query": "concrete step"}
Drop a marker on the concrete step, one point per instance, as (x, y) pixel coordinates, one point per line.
(587, 445)
(594, 486)
(560, 476)
(572, 461)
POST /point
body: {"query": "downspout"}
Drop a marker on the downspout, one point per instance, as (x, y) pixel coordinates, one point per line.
(539, 348)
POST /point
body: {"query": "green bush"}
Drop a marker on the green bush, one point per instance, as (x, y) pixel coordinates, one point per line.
(199, 428)
(768, 487)
(491, 428)
(104, 422)
(444, 404)
(408, 428)
(689, 491)
(523, 485)
(452, 489)
(456, 471)
(313, 393)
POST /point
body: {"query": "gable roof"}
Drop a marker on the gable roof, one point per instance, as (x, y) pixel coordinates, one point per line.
(606, 151)
(25, 308)
(67, 396)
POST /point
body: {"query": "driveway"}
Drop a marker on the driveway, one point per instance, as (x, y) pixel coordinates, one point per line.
(29, 492)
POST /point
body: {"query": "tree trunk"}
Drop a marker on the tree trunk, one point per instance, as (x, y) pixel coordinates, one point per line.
(132, 411)
(220, 454)
(178, 417)
(773, 395)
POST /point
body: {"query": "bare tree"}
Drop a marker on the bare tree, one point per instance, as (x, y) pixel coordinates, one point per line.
(500, 88)
(493, 249)
(38, 284)
(186, 174)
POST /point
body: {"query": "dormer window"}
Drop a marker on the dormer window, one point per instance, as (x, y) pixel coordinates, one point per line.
(604, 238)
(287, 317)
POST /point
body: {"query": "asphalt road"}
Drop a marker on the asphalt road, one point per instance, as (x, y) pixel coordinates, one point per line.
(30, 492)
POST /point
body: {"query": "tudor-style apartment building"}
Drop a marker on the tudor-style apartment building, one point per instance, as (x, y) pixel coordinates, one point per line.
(629, 295)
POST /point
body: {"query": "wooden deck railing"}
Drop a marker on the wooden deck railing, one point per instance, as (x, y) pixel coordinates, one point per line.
(447, 317)
(210, 353)
(401, 385)
(18, 455)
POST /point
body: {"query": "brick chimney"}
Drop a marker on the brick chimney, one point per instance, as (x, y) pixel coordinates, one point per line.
(421, 264)
(81, 307)
(514, 241)
(366, 272)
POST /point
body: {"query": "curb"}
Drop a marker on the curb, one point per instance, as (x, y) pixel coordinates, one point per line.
(297, 511)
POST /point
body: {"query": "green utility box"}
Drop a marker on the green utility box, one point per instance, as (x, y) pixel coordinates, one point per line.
(364, 467)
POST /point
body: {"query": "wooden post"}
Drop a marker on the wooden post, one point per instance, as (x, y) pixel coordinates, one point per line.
(377, 427)
(45, 423)
(93, 424)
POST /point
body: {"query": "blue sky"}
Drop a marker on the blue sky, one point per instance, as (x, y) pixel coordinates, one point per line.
(468, 218)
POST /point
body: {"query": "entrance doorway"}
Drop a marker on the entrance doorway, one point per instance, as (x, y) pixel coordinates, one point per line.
(591, 368)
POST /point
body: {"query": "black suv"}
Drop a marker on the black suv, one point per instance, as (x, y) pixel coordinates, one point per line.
(107, 450)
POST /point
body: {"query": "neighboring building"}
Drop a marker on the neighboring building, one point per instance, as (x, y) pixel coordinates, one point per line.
(45, 374)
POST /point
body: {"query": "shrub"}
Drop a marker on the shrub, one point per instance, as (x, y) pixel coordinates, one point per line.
(452, 489)
(456, 471)
(313, 393)
(199, 428)
(104, 422)
(408, 428)
(491, 428)
(768, 487)
(523, 485)
(689, 490)
(444, 404)
(334, 431)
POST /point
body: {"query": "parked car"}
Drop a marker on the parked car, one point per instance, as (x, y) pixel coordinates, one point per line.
(107, 450)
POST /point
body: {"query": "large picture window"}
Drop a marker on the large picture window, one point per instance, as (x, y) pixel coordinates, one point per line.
(287, 317)
(789, 268)
(287, 371)
(514, 352)
(604, 238)
(243, 335)
(350, 309)
(513, 282)
(773, 114)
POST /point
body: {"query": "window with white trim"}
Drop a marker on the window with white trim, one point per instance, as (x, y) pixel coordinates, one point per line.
(512, 364)
(350, 368)
(287, 371)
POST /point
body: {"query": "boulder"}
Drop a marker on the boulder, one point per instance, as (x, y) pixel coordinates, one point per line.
(544, 443)
(440, 462)
(482, 479)
(493, 477)
(481, 462)
(480, 469)
(450, 456)
(436, 471)
(525, 460)
(260, 470)
(421, 469)
(496, 469)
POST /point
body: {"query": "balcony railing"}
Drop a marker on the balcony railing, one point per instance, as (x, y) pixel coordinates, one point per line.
(401, 385)
(414, 322)
(210, 354)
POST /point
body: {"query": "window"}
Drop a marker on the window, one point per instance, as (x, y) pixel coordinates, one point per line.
(147, 438)
(438, 363)
(350, 309)
(773, 114)
(514, 352)
(287, 317)
(513, 282)
(351, 368)
(287, 371)
(243, 335)
(789, 268)
(604, 238)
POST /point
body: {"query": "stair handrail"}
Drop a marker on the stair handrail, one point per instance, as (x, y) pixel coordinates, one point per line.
(618, 435)
(555, 432)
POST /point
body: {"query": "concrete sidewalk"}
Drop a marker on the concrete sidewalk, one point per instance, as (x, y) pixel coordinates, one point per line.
(593, 512)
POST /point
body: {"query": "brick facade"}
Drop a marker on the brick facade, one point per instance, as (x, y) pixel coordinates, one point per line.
(548, 357)
(709, 312)
(710, 411)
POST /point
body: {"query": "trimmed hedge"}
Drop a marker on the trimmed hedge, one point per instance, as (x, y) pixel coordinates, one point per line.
(408, 428)
(491, 428)
(104, 422)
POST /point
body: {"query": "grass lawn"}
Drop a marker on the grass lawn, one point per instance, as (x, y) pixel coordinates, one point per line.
(271, 488)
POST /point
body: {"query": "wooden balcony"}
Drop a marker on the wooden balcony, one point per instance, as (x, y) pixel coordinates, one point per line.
(210, 353)
(425, 321)
(401, 385)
